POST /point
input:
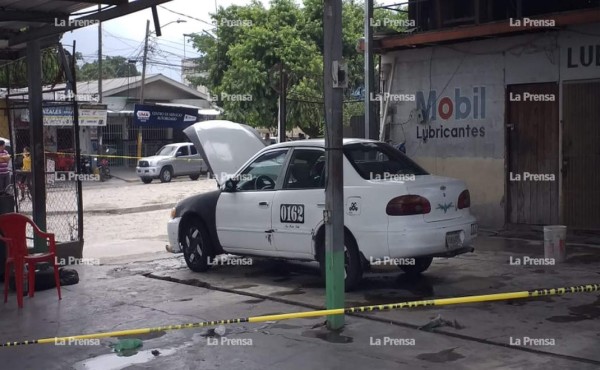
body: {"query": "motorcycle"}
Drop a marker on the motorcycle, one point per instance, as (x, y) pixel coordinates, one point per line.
(104, 169)
(86, 165)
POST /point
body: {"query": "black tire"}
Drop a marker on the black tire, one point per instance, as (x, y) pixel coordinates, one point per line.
(196, 245)
(352, 263)
(166, 174)
(146, 180)
(195, 177)
(421, 265)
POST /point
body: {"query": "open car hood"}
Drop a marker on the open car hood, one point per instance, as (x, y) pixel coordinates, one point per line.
(224, 145)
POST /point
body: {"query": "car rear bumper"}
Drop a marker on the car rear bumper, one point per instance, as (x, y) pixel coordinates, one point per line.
(430, 240)
(147, 171)
(173, 234)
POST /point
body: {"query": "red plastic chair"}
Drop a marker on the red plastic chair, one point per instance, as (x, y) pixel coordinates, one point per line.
(13, 228)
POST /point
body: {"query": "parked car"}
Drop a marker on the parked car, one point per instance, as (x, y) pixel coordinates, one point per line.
(272, 205)
(179, 159)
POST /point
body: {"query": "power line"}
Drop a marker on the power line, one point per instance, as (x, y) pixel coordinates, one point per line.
(187, 16)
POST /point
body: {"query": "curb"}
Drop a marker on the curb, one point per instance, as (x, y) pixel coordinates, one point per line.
(124, 179)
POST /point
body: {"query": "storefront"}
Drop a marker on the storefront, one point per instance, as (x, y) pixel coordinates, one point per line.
(516, 117)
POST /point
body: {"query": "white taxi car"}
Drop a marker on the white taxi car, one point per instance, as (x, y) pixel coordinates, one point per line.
(270, 203)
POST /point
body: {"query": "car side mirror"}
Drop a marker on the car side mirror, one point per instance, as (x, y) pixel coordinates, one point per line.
(230, 186)
(178, 154)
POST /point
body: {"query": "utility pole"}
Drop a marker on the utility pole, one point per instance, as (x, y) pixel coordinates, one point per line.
(99, 58)
(282, 103)
(139, 139)
(333, 215)
(98, 129)
(370, 117)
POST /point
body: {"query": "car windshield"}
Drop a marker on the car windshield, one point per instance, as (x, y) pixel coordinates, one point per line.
(166, 150)
(379, 160)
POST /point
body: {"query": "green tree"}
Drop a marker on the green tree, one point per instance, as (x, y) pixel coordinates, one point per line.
(241, 57)
(112, 67)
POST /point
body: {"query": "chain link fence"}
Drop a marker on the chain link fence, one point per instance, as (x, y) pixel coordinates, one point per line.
(62, 214)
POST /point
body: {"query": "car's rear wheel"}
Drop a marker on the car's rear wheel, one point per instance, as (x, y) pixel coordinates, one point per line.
(166, 174)
(194, 177)
(146, 180)
(421, 264)
(195, 244)
(352, 263)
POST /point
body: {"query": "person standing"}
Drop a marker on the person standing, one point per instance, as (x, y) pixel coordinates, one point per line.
(26, 171)
(4, 170)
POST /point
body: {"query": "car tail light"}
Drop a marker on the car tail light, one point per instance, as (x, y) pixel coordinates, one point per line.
(408, 205)
(464, 200)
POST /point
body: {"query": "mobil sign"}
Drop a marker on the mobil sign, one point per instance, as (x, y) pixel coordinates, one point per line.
(459, 106)
(453, 109)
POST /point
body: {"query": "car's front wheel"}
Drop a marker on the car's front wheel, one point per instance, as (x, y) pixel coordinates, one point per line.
(195, 177)
(421, 264)
(146, 180)
(166, 174)
(352, 263)
(195, 244)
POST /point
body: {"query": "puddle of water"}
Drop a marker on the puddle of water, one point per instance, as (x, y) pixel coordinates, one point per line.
(579, 313)
(114, 362)
(446, 355)
(328, 336)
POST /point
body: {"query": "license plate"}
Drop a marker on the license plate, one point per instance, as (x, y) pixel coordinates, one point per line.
(453, 240)
(474, 229)
(146, 171)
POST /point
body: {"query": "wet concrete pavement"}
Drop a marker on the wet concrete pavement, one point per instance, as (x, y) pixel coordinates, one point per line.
(155, 288)
(158, 289)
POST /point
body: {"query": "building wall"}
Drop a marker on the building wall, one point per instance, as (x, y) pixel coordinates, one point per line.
(472, 77)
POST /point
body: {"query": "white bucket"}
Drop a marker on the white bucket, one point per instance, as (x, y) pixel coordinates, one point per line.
(555, 237)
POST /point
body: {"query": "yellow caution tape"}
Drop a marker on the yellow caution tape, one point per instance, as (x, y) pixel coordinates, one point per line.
(588, 288)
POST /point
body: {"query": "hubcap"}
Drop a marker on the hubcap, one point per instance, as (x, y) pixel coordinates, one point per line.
(193, 242)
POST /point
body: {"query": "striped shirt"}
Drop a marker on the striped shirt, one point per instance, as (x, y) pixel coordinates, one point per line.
(3, 164)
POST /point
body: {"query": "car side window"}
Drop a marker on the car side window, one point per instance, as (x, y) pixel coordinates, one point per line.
(262, 174)
(306, 170)
(193, 150)
(182, 151)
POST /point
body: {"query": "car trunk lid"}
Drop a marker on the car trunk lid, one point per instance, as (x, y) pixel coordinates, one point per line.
(441, 192)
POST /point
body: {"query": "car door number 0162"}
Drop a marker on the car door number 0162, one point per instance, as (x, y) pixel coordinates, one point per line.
(292, 213)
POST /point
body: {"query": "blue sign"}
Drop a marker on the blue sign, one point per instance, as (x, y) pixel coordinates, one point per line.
(164, 116)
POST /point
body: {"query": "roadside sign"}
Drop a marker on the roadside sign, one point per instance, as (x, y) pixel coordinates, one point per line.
(164, 116)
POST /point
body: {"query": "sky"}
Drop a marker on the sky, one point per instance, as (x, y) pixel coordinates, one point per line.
(124, 36)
